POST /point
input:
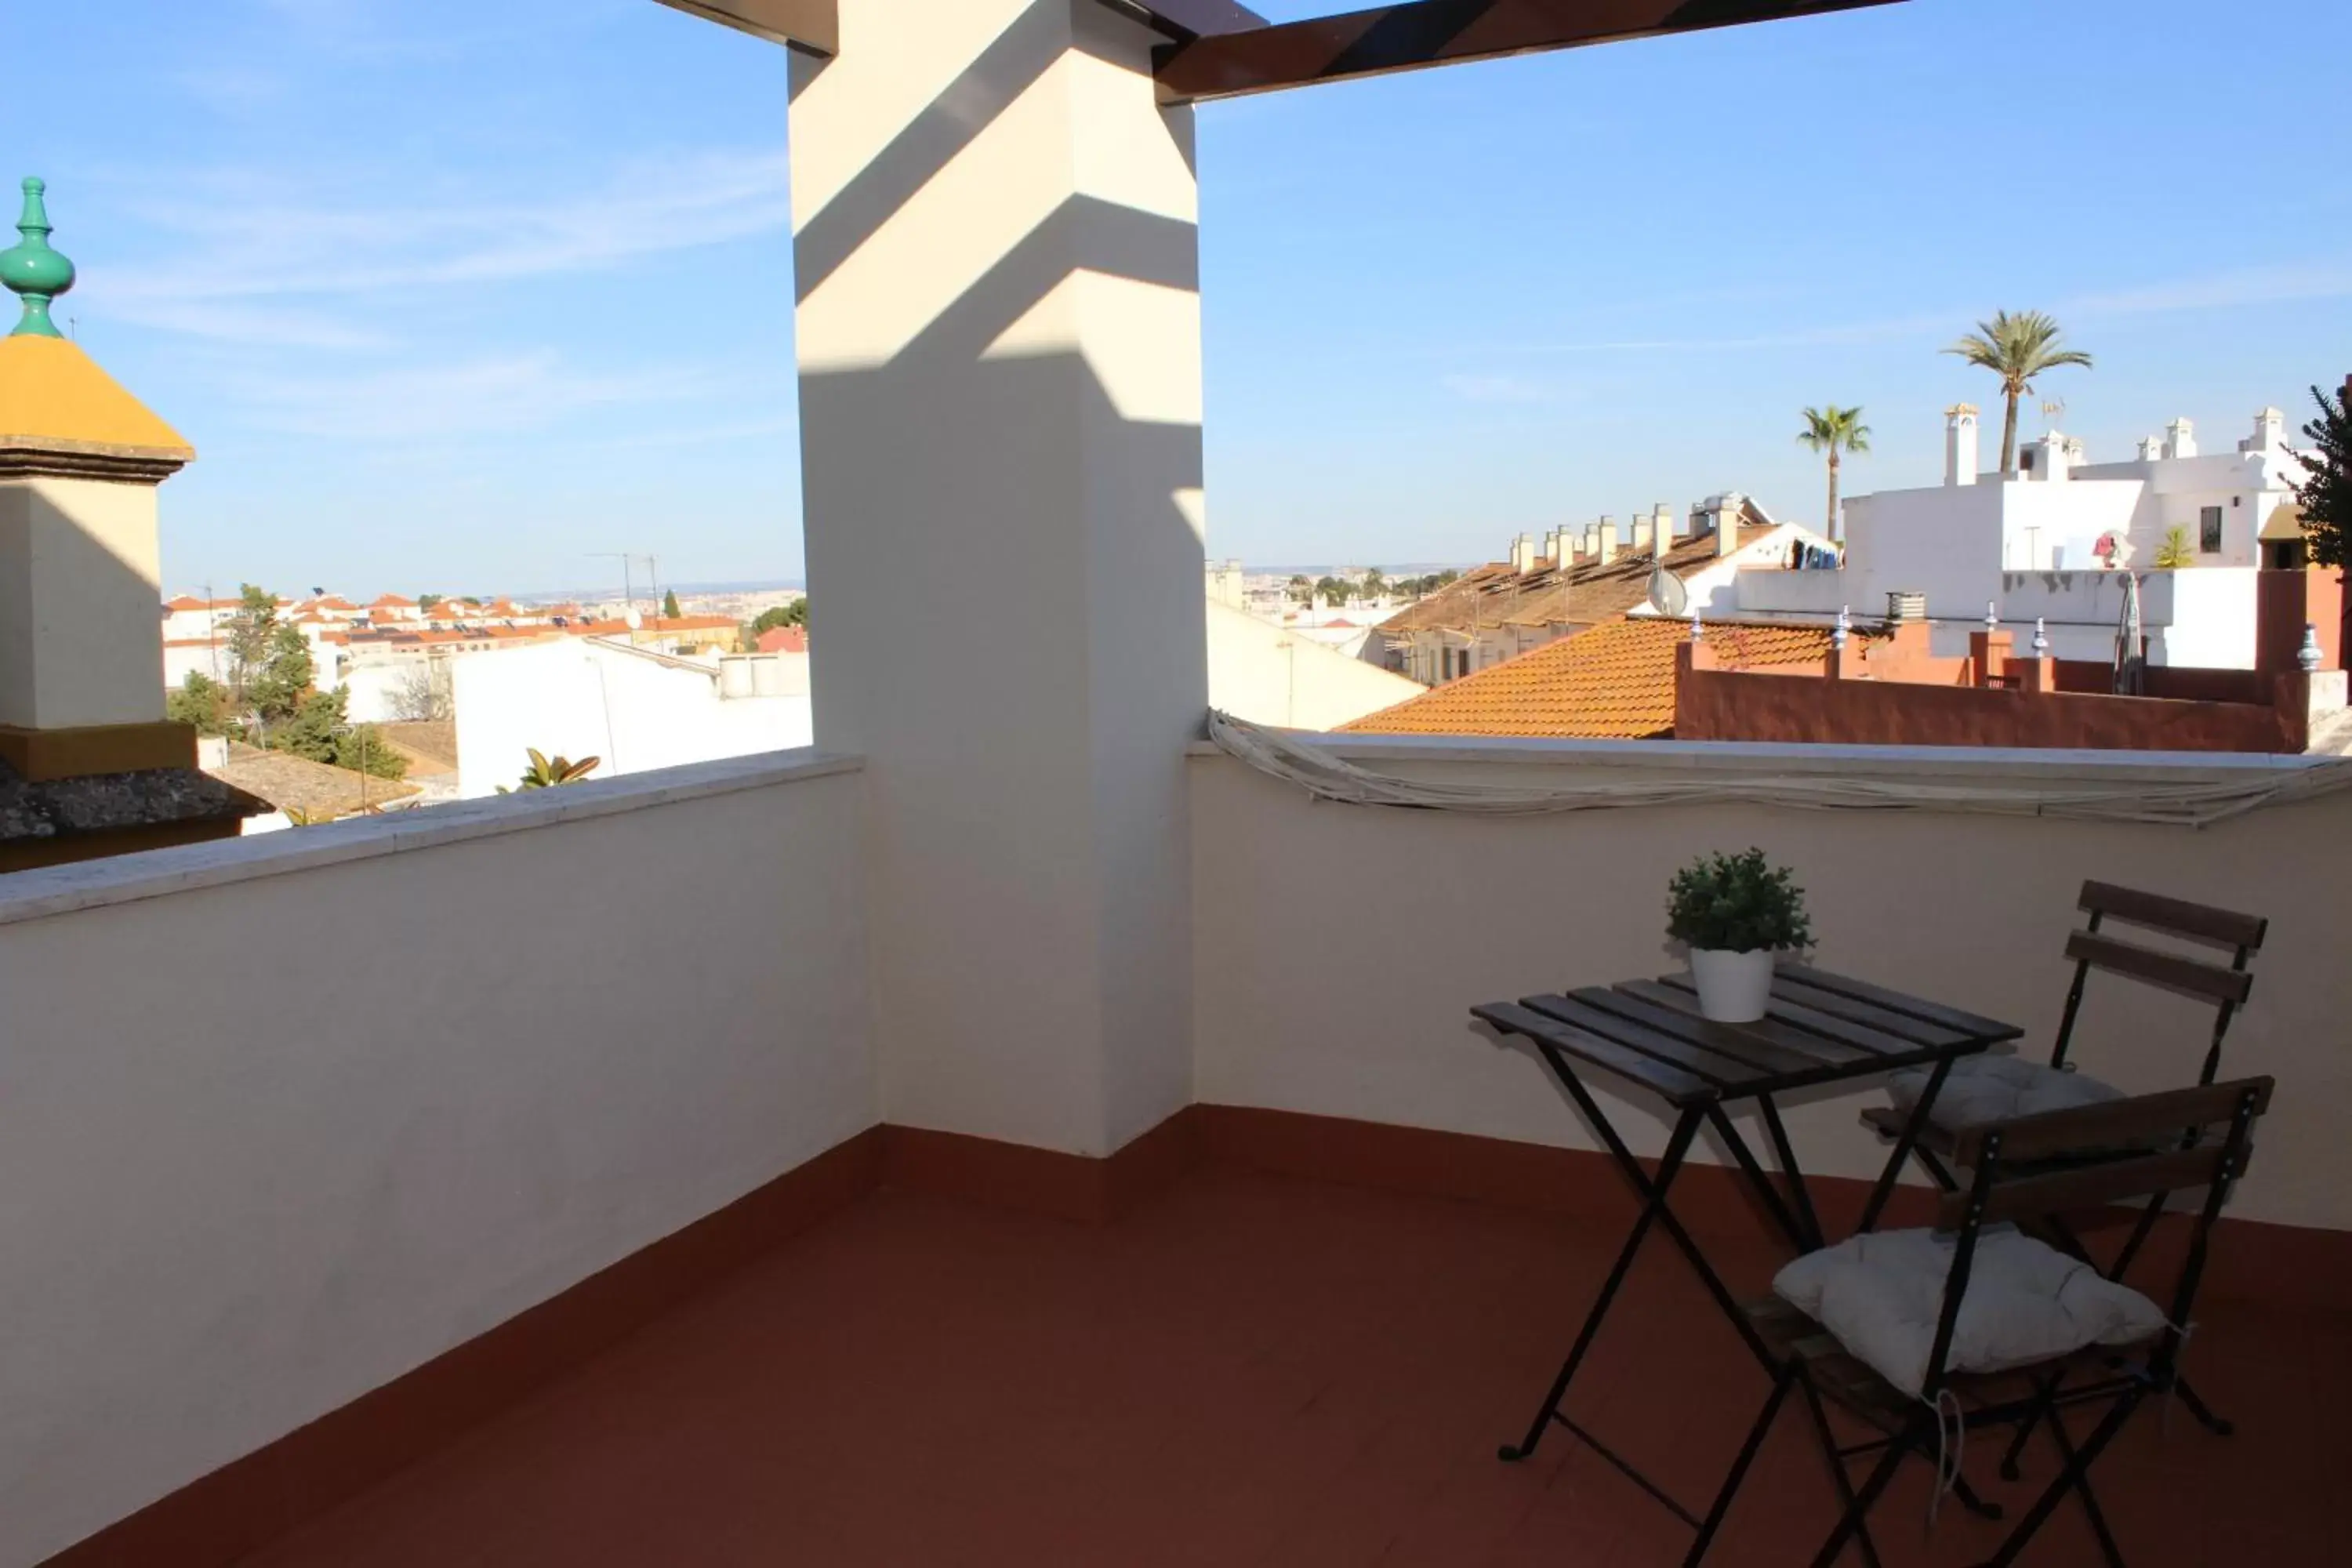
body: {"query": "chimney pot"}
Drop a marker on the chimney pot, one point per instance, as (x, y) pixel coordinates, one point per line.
(1728, 509)
(1604, 547)
(1961, 445)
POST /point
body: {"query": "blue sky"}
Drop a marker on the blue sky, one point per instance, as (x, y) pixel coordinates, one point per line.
(450, 295)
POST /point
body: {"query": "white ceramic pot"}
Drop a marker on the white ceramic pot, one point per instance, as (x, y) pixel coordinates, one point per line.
(1733, 987)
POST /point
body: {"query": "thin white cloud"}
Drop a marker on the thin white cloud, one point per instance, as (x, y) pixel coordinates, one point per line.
(2225, 290)
(780, 424)
(252, 325)
(244, 245)
(2222, 291)
(483, 396)
(234, 90)
(1496, 389)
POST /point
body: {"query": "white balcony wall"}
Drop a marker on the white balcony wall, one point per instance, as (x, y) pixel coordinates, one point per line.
(284, 1117)
(1338, 949)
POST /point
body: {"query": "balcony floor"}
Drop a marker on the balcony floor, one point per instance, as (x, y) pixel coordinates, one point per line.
(1254, 1370)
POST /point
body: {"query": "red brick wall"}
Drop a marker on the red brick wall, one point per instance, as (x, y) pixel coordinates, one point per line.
(2283, 602)
(1726, 705)
(2183, 683)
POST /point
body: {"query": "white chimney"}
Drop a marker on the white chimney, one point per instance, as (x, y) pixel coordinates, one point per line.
(1663, 529)
(1604, 548)
(1523, 553)
(1960, 444)
(2152, 449)
(2270, 431)
(2052, 459)
(1726, 509)
(2180, 439)
(1641, 534)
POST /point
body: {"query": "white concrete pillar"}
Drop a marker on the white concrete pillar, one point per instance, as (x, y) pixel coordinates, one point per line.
(999, 384)
(2181, 438)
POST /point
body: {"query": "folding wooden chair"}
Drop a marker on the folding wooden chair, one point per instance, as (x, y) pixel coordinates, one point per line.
(2012, 1181)
(2222, 987)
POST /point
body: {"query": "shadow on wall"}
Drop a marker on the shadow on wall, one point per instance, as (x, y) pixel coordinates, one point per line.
(1004, 344)
(1000, 419)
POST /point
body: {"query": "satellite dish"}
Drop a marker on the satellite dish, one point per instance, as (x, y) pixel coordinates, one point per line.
(634, 620)
(1667, 594)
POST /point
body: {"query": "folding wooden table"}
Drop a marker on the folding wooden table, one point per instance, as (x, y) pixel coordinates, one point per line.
(1821, 1030)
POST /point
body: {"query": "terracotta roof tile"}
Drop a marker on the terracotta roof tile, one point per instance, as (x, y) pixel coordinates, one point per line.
(1589, 591)
(1614, 682)
(783, 639)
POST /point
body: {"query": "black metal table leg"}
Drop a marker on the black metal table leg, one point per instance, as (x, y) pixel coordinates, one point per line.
(1912, 1127)
(1799, 1231)
(1798, 1194)
(1654, 1204)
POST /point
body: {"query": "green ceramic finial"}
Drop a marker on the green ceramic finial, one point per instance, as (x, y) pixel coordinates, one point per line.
(34, 270)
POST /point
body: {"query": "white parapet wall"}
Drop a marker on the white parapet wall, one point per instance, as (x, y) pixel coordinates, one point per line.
(632, 709)
(282, 1119)
(1353, 1002)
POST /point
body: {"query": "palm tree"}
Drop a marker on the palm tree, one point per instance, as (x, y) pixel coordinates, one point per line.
(2016, 349)
(1834, 430)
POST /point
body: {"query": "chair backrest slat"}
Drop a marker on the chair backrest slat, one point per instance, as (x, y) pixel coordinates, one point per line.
(2092, 1187)
(2214, 983)
(2148, 1121)
(2174, 916)
(1999, 1191)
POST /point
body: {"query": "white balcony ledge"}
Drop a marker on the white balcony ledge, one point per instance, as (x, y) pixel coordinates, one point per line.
(126, 878)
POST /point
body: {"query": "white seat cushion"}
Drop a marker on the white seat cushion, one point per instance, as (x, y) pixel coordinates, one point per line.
(2026, 1302)
(1998, 1088)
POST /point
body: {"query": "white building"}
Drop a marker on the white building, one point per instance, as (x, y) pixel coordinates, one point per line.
(2038, 546)
(634, 708)
(1269, 673)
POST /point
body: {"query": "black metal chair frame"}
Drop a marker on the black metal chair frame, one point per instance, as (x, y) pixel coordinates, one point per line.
(1649, 1033)
(1997, 1192)
(2243, 936)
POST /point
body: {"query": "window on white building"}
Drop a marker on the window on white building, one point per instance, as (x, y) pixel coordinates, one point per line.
(2208, 531)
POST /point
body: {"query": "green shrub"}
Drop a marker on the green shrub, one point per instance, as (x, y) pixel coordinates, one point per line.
(1738, 903)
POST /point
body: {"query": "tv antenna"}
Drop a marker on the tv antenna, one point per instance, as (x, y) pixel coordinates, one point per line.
(2053, 411)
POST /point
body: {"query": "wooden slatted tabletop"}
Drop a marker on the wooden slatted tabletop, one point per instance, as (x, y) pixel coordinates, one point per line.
(1820, 1028)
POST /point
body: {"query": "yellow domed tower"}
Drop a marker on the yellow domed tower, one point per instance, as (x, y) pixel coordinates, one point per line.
(88, 765)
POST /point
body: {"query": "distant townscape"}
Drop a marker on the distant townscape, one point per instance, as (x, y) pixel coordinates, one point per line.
(453, 696)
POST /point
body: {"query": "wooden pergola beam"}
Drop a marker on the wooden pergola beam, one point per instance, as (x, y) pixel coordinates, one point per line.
(1422, 33)
(810, 24)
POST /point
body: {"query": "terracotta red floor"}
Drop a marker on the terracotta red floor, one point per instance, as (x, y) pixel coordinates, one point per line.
(1252, 1370)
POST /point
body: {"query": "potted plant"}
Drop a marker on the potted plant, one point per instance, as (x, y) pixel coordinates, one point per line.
(1737, 912)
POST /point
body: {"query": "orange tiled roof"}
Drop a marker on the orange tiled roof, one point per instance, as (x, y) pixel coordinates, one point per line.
(1614, 682)
(783, 639)
(392, 602)
(1588, 591)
